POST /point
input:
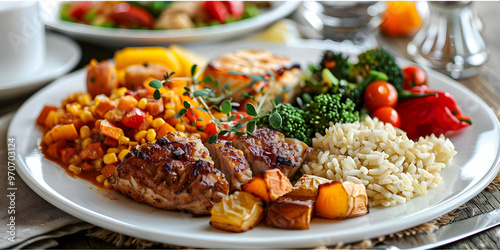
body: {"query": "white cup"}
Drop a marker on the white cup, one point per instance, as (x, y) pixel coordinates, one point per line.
(22, 40)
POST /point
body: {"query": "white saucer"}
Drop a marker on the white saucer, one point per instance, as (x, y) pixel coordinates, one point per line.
(61, 55)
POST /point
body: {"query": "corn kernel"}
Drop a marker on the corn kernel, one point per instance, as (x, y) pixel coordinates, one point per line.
(47, 138)
(74, 108)
(219, 115)
(139, 135)
(97, 164)
(180, 127)
(75, 160)
(120, 92)
(113, 151)
(84, 132)
(142, 103)
(151, 135)
(84, 99)
(100, 178)
(109, 158)
(123, 140)
(133, 143)
(158, 122)
(87, 116)
(169, 106)
(75, 169)
(107, 185)
(169, 113)
(86, 142)
(123, 153)
(142, 141)
(178, 104)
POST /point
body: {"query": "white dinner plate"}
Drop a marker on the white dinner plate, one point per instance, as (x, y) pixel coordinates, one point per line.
(112, 37)
(61, 55)
(472, 169)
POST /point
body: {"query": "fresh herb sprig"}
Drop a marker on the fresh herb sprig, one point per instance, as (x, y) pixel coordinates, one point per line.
(227, 124)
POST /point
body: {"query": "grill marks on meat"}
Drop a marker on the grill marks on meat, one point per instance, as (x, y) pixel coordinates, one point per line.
(231, 162)
(268, 148)
(175, 173)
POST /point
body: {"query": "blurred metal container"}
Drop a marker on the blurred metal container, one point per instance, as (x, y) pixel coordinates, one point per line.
(340, 21)
(450, 40)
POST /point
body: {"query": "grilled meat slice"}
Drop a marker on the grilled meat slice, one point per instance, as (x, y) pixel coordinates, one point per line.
(255, 62)
(268, 148)
(231, 162)
(174, 173)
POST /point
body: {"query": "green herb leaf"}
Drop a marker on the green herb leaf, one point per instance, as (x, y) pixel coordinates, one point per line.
(231, 118)
(212, 138)
(275, 120)
(181, 113)
(239, 133)
(200, 93)
(238, 126)
(187, 105)
(157, 95)
(193, 123)
(223, 132)
(156, 84)
(193, 69)
(251, 110)
(226, 106)
(279, 99)
(251, 126)
(200, 119)
(202, 109)
(207, 79)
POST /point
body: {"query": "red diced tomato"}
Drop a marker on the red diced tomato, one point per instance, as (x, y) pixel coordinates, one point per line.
(67, 153)
(131, 16)
(79, 8)
(236, 8)
(93, 151)
(134, 118)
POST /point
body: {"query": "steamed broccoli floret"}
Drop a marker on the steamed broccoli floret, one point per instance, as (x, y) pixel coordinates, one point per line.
(337, 64)
(293, 124)
(326, 108)
(379, 60)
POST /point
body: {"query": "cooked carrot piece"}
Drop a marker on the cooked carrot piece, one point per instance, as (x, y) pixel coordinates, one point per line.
(43, 115)
(155, 107)
(86, 167)
(110, 142)
(54, 149)
(108, 170)
(331, 201)
(127, 103)
(67, 153)
(64, 132)
(93, 151)
(108, 129)
(104, 106)
(269, 185)
(164, 129)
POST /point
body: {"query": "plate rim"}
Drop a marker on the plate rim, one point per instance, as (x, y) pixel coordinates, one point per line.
(236, 241)
(154, 36)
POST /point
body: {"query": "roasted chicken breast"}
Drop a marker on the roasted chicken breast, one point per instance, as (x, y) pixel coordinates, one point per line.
(231, 162)
(267, 148)
(255, 62)
(174, 173)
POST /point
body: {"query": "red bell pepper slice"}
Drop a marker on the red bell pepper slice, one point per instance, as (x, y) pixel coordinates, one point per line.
(216, 10)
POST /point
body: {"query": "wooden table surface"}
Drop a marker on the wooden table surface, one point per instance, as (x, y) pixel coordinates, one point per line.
(486, 85)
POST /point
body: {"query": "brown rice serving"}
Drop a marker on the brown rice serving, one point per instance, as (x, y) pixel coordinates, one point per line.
(393, 168)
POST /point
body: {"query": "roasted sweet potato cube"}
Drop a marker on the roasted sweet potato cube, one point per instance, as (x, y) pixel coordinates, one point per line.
(237, 212)
(290, 212)
(331, 201)
(308, 185)
(269, 185)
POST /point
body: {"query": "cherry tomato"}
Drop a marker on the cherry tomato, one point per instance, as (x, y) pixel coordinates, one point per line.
(134, 118)
(131, 16)
(216, 10)
(236, 8)
(389, 115)
(79, 8)
(379, 94)
(414, 76)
